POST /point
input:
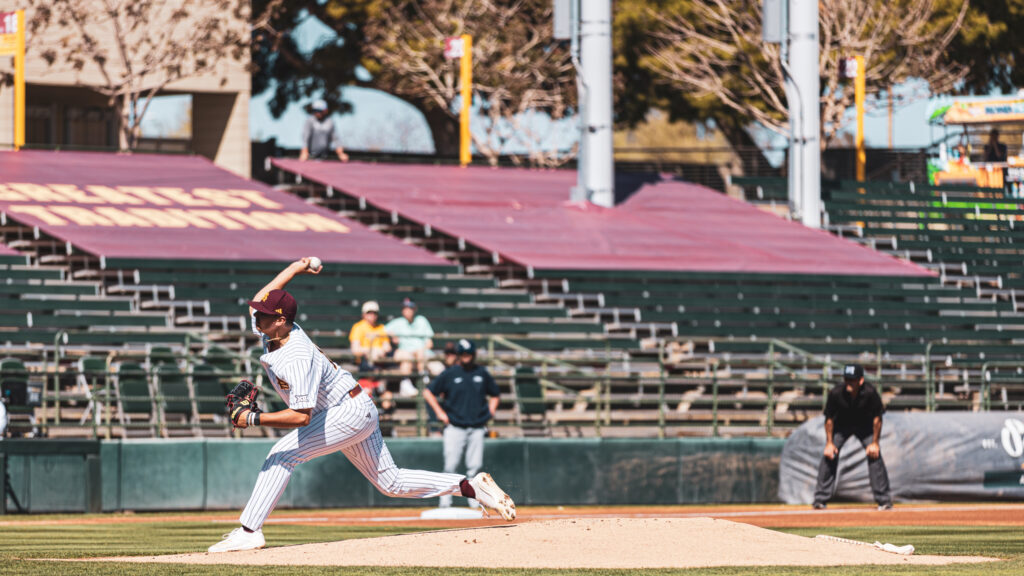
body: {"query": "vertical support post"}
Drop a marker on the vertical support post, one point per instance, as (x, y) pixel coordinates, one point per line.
(3, 483)
(466, 80)
(421, 411)
(19, 84)
(596, 56)
(804, 94)
(771, 388)
(714, 398)
(661, 389)
(859, 89)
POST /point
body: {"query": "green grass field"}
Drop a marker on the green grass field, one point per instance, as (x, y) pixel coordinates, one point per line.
(21, 547)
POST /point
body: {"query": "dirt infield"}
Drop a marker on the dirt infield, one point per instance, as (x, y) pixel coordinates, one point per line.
(768, 516)
(610, 543)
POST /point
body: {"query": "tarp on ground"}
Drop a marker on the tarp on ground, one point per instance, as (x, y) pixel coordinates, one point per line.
(524, 216)
(933, 456)
(162, 206)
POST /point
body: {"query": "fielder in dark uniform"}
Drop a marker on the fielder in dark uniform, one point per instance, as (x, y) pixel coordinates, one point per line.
(853, 409)
(468, 399)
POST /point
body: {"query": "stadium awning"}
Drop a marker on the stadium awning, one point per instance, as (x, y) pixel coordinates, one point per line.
(668, 225)
(182, 207)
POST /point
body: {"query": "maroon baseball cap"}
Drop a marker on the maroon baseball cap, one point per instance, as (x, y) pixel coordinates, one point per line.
(276, 303)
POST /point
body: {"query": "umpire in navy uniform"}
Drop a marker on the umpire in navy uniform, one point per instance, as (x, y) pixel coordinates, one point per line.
(853, 409)
(468, 399)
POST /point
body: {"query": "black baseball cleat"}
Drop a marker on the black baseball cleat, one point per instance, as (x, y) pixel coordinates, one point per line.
(818, 506)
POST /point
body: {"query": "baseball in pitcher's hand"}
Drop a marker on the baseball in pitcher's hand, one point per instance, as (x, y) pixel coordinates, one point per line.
(301, 266)
(873, 450)
(830, 451)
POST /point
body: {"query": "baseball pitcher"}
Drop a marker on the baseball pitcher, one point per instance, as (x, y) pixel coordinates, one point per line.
(328, 413)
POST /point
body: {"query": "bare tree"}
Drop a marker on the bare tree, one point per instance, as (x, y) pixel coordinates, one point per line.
(138, 47)
(715, 51)
(517, 66)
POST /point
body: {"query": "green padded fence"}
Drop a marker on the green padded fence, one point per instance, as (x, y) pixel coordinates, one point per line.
(218, 474)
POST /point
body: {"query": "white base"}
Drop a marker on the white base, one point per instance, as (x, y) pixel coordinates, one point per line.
(452, 513)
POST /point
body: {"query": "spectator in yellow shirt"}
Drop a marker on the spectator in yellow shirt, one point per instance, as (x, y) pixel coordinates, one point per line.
(369, 338)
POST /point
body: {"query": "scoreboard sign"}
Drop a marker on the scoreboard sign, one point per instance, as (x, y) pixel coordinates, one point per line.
(1013, 181)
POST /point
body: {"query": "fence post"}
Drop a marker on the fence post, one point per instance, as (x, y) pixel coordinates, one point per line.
(771, 387)
(714, 397)
(661, 389)
(421, 410)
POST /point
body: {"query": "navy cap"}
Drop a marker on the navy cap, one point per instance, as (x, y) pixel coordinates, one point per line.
(465, 346)
(853, 372)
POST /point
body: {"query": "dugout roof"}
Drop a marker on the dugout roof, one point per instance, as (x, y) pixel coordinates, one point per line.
(525, 216)
(181, 207)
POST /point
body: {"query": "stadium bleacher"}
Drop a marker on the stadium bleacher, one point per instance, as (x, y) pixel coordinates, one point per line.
(120, 342)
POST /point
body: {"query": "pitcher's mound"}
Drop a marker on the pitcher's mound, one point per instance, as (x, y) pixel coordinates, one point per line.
(583, 543)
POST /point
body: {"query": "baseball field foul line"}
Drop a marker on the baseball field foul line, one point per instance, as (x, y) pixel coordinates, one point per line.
(903, 550)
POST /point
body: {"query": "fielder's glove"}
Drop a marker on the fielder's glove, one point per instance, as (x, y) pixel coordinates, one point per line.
(241, 399)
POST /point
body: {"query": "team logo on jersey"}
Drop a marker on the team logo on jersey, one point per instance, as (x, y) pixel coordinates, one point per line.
(282, 384)
(478, 378)
(301, 398)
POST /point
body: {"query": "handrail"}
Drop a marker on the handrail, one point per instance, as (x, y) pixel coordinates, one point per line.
(986, 383)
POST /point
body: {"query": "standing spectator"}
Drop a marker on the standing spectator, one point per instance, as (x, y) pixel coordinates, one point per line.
(370, 342)
(412, 334)
(995, 151)
(853, 409)
(319, 137)
(469, 399)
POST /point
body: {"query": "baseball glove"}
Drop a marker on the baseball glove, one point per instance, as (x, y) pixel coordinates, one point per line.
(241, 398)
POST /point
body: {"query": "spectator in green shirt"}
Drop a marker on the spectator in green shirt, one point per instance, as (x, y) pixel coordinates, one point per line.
(413, 335)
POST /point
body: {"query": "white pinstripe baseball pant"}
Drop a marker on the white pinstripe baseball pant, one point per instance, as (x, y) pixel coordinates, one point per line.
(352, 428)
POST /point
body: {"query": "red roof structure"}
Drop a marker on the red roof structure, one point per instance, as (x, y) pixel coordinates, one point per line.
(181, 207)
(525, 216)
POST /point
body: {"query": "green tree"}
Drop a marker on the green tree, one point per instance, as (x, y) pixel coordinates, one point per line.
(989, 47)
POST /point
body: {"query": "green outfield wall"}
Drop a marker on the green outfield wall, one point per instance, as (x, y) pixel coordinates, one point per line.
(218, 474)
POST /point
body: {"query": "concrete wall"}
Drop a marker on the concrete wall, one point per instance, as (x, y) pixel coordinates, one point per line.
(220, 473)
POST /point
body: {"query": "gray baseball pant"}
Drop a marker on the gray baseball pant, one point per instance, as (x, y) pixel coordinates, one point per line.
(878, 475)
(456, 442)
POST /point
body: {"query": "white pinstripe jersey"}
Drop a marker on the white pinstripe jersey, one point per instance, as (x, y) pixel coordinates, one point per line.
(303, 376)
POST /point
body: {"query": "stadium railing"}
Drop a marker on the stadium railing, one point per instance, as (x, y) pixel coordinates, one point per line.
(683, 387)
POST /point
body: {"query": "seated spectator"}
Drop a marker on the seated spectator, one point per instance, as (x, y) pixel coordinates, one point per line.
(369, 338)
(995, 151)
(412, 334)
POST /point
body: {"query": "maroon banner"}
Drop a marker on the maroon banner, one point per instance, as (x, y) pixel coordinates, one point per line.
(524, 215)
(156, 206)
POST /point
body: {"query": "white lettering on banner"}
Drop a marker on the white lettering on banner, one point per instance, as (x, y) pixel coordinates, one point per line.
(1013, 437)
